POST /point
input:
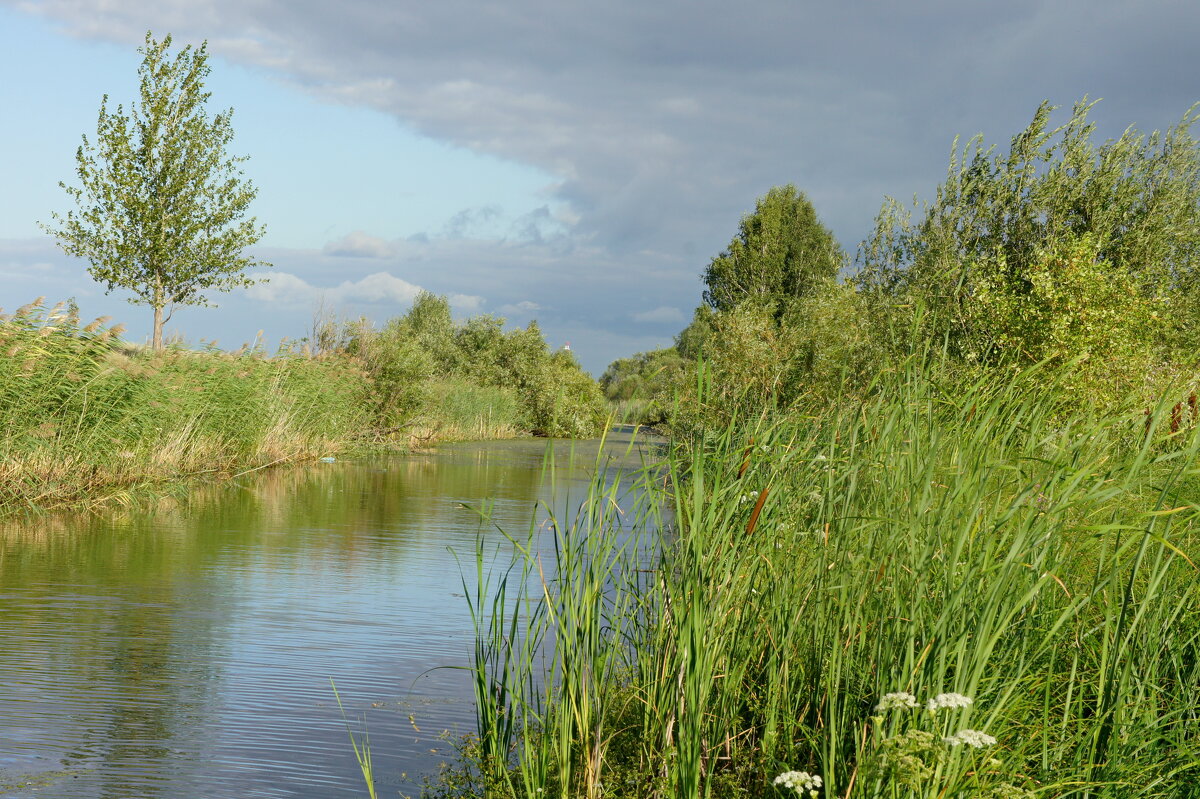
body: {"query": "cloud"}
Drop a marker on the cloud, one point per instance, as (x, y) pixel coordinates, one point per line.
(663, 122)
(283, 288)
(471, 222)
(522, 308)
(380, 287)
(661, 314)
(358, 244)
(465, 304)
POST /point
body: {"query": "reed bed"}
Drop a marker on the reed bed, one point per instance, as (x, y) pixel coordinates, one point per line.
(945, 590)
(459, 410)
(85, 418)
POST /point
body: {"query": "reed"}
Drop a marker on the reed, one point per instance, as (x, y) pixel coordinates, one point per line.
(1001, 543)
(84, 417)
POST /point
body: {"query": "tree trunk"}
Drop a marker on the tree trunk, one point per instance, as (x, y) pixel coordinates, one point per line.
(157, 301)
(158, 326)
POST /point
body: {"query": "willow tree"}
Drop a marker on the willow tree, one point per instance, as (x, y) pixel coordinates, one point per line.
(161, 206)
(1096, 241)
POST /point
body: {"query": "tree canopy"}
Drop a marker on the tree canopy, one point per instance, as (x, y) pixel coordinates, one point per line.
(161, 207)
(781, 253)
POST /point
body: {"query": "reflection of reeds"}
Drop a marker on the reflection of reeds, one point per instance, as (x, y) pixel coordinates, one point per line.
(82, 418)
(979, 540)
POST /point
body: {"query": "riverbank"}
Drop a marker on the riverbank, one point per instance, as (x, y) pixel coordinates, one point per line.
(86, 419)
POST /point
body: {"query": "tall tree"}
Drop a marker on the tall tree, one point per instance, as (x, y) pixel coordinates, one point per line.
(781, 253)
(161, 207)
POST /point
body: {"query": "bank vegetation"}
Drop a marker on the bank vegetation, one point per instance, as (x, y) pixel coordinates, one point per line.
(929, 526)
(87, 418)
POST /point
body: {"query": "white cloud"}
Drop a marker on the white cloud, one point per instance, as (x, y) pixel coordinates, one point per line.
(663, 313)
(283, 288)
(357, 244)
(380, 287)
(465, 303)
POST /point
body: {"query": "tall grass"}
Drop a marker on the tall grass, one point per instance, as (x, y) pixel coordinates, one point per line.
(82, 416)
(459, 410)
(984, 541)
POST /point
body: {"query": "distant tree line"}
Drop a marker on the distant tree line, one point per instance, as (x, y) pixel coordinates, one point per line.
(427, 369)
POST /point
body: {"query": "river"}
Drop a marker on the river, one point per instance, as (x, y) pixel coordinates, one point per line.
(186, 649)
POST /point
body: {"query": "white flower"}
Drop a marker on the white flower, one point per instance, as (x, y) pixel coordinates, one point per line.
(948, 701)
(972, 738)
(900, 700)
(799, 781)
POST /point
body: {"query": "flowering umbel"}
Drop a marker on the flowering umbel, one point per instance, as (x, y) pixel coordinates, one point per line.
(801, 782)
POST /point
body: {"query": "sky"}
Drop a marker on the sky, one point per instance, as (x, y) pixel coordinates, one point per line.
(574, 163)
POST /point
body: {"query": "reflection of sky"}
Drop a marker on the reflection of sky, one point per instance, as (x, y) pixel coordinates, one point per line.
(188, 652)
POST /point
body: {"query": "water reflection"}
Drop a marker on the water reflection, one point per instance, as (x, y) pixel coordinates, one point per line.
(186, 650)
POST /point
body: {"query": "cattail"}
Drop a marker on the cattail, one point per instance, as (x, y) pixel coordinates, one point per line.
(1148, 420)
(746, 459)
(1176, 417)
(758, 506)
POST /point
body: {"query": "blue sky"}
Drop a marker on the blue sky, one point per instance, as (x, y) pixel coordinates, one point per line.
(574, 163)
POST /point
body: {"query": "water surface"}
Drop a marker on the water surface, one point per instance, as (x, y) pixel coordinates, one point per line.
(186, 650)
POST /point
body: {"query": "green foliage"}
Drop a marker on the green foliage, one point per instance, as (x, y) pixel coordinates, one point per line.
(1059, 250)
(776, 325)
(160, 206)
(398, 365)
(565, 402)
(1062, 306)
(644, 384)
(413, 359)
(430, 324)
(647, 374)
(691, 340)
(461, 410)
(755, 363)
(1019, 223)
(781, 253)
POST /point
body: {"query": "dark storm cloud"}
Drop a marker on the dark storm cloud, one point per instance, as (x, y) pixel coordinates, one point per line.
(664, 121)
